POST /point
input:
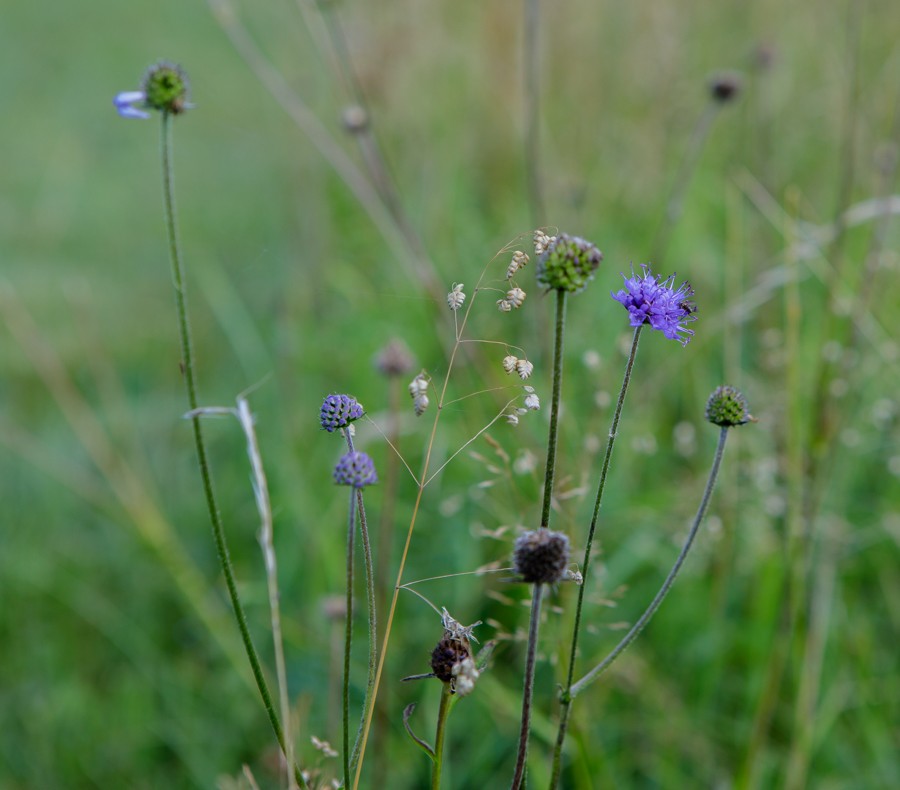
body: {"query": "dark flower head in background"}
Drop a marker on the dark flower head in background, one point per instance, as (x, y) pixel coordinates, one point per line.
(651, 301)
(355, 469)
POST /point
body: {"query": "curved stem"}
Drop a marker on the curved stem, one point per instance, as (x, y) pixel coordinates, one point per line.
(534, 624)
(636, 629)
(187, 359)
(439, 736)
(586, 564)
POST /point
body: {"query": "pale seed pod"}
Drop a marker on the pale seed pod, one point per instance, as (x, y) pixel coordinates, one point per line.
(524, 368)
(512, 419)
(519, 261)
(542, 241)
(509, 363)
(532, 402)
(456, 297)
(420, 404)
(515, 296)
(504, 306)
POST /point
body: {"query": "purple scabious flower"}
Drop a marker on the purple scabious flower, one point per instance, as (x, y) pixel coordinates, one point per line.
(338, 411)
(355, 469)
(127, 103)
(650, 300)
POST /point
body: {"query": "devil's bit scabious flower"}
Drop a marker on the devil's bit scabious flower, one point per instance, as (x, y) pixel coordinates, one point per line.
(541, 556)
(394, 359)
(727, 407)
(448, 653)
(355, 469)
(651, 301)
(568, 264)
(338, 411)
(165, 88)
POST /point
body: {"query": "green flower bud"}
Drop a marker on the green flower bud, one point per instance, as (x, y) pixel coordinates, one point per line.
(568, 264)
(727, 407)
(165, 88)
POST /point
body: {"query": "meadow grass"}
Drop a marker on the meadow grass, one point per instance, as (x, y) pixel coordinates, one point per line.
(773, 660)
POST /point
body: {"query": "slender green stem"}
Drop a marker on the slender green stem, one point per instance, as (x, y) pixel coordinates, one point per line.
(554, 405)
(348, 640)
(439, 736)
(187, 358)
(370, 600)
(534, 624)
(636, 629)
(565, 697)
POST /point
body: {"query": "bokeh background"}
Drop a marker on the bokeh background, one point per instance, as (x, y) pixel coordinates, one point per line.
(773, 662)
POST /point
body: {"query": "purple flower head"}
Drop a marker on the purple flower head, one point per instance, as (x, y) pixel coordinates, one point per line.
(651, 301)
(355, 469)
(127, 103)
(338, 411)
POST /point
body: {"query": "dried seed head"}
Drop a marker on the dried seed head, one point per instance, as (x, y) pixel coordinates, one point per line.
(568, 264)
(355, 469)
(541, 556)
(725, 87)
(519, 261)
(418, 386)
(456, 297)
(504, 306)
(338, 411)
(509, 363)
(524, 368)
(532, 402)
(727, 408)
(542, 241)
(512, 418)
(420, 404)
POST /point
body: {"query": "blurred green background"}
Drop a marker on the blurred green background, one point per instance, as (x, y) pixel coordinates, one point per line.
(773, 662)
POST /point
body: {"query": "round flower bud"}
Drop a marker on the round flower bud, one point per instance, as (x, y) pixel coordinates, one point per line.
(568, 264)
(541, 556)
(165, 88)
(338, 411)
(447, 654)
(727, 407)
(355, 469)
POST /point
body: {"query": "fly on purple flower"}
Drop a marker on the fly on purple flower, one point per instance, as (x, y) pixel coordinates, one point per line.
(651, 301)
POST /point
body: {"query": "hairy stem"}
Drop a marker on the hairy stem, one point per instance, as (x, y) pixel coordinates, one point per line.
(534, 624)
(348, 641)
(565, 696)
(439, 736)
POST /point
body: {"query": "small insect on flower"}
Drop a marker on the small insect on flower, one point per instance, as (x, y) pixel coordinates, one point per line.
(456, 297)
(519, 261)
(516, 297)
(524, 368)
(509, 363)
(504, 305)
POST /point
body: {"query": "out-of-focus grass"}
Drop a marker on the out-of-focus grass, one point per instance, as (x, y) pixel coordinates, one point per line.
(113, 675)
